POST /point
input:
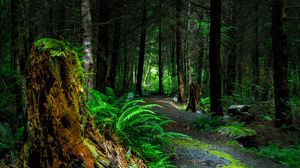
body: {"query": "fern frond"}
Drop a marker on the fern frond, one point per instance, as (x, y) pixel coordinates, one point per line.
(131, 103)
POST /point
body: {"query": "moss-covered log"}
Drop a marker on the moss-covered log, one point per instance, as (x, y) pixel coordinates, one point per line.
(60, 132)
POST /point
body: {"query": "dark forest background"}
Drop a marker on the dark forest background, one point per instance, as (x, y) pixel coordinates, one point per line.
(235, 52)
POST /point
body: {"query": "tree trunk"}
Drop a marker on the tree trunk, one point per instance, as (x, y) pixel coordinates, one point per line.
(17, 54)
(214, 57)
(60, 131)
(255, 69)
(160, 64)
(88, 62)
(232, 56)
(142, 50)
(180, 76)
(281, 89)
(103, 47)
(201, 53)
(267, 83)
(125, 66)
(194, 97)
(115, 54)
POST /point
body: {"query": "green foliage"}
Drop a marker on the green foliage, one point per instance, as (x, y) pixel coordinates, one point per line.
(242, 95)
(61, 48)
(8, 107)
(135, 124)
(9, 140)
(205, 104)
(55, 47)
(8, 84)
(289, 156)
(236, 131)
(216, 123)
(295, 105)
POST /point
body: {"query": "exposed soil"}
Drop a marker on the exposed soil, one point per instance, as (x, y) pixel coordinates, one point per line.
(189, 157)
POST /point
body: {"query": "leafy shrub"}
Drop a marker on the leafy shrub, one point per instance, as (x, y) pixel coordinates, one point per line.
(8, 107)
(135, 124)
(289, 156)
(205, 104)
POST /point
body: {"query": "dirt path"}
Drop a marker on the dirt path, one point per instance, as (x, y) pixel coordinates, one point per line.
(205, 150)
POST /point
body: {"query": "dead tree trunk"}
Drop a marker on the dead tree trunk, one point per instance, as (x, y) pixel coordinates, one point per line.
(60, 131)
(194, 98)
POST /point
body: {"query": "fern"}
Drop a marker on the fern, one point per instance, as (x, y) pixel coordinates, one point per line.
(289, 156)
(137, 126)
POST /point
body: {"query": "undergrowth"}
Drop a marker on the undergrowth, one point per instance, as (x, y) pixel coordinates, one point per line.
(9, 140)
(230, 128)
(135, 124)
(289, 156)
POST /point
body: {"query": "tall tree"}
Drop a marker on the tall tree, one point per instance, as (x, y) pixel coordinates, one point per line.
(180, 76)
(142, 49)
(255, 58)
(115, 53)
(232, 56)
(160, 64)
(17, 53)
(214, 57)
(201, 52)
(103, 46)
(86, 21)
(281, 89)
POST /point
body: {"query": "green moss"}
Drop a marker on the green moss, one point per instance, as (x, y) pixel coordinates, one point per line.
(234, 163)
(198, 145)
(57, 49)
(190, 143)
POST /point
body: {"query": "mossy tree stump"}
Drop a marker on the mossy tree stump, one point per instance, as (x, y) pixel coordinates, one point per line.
(59, 131)
(194, 97)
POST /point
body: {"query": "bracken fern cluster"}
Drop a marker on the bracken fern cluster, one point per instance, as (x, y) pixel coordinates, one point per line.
(135, 124)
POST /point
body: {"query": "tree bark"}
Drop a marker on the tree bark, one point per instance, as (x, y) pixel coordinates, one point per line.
(281, 89)
(194, 97)
(160, 63)
(103, 47)
(201, 53)
(232, 56)
(180, 76)
(255, 59)
(214, 57)
(16, 55)
(126, 67)
(142, 50)
(86, 21)
(115, 54)
(60, 131)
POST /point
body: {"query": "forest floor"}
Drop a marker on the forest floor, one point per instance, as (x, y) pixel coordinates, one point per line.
(204, 149)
